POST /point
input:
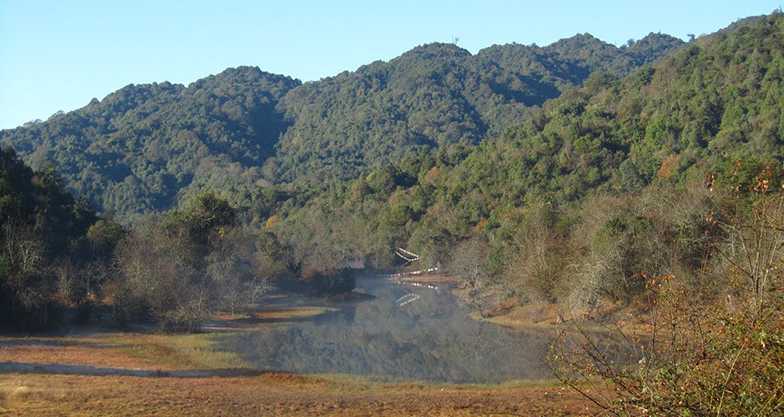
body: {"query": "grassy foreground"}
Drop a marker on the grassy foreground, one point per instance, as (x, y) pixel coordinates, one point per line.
(140, 374)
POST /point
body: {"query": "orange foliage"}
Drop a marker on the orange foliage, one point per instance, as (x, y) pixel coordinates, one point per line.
(432, 176)
(480, 226)
(272, 221)
(668, 166)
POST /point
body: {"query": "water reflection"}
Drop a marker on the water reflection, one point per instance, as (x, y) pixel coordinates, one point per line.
(429, 338)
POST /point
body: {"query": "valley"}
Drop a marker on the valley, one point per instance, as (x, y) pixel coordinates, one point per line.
(580, 228)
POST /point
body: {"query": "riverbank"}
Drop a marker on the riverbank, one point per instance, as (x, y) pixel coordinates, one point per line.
(96, 373)
(499, 312)
(491, 307)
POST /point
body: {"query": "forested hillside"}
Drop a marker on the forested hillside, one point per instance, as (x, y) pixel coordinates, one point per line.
(454, 155)
(140, 148)
(602, 163)
(435, 95)
(145, 148)
(459, 157)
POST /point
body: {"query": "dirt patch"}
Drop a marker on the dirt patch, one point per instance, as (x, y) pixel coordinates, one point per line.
(428, 279)
(527, 316)
(286, 314)
(263, 318)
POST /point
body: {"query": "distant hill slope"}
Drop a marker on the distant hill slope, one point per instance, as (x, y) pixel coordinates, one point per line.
(139, 147)
(143, 147)
(715, 107)
(716, 100)
(437, 94)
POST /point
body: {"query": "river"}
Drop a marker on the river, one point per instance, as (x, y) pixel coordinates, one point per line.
(402, 332)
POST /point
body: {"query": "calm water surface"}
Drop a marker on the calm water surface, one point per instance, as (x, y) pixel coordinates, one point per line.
(402, 332)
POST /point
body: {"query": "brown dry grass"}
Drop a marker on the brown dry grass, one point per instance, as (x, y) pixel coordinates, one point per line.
(44, 393)
(429, 279)
(292, 313)
(634, 319)
(268, 394)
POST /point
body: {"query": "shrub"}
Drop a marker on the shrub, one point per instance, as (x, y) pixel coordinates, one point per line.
(705, 354)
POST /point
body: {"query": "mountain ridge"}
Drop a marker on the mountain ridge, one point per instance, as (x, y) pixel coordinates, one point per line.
(145, 147)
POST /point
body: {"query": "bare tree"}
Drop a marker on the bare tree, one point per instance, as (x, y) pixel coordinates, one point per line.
(468, 262)
(26, 276)
(754, 247)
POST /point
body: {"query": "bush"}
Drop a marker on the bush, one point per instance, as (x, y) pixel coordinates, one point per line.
(179, 269)
(707, 353)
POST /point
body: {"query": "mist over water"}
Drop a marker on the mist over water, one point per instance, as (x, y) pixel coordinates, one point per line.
(431, 338)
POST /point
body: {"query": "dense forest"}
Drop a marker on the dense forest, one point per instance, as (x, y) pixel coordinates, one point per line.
(139, 148)
(60, 262)
(436, 95)
(145, 156)
(708, 115)
(44, 230)
(148, 148)
(494, 165)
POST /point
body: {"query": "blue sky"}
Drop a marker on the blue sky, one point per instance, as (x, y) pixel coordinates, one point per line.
(57, 55)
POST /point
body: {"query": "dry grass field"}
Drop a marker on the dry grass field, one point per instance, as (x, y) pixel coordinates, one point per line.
(141, 374)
